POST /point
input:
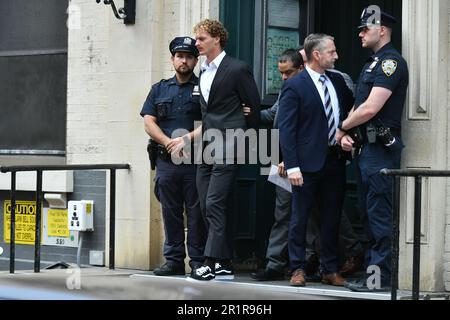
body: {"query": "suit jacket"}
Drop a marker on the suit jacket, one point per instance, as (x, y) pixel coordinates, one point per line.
(303, 123)
(270, 115)
(233, 85)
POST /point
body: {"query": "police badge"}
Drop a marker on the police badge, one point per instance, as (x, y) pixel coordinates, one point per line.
(389, 67)
(196, 91)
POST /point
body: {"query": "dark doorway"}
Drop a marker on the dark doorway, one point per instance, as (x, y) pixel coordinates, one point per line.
(340, 18)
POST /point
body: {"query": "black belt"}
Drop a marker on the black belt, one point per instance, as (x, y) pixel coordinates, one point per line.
(166, 156)
(396, 131)
(163, 154)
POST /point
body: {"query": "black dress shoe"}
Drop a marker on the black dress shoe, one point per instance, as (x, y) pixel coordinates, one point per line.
(361, 286)
(169, 270)
(267, 275)
(316, 277)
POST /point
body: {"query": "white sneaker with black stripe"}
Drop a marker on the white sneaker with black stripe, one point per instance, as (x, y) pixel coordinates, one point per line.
(204, 273)
(223, 273)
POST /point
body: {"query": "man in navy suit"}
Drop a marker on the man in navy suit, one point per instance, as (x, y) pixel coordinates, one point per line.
(311, 106)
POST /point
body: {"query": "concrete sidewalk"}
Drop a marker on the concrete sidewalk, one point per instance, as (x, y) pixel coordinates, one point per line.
(104, 284)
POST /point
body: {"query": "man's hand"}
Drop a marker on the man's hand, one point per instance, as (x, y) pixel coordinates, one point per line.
(339, 135)
(282, 170)
(175, 146)
(296, 179)
(347, 143)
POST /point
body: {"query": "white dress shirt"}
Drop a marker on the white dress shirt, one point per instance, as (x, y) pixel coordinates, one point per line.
(209, 73)
(315, 76)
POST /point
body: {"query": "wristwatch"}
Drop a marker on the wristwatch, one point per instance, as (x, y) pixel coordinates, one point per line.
(340, 126)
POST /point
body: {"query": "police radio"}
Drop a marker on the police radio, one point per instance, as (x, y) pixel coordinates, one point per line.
(371, 132)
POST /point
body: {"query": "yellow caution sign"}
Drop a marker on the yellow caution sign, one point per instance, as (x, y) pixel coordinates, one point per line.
(25, 222)
(57, 223)
(88, 208)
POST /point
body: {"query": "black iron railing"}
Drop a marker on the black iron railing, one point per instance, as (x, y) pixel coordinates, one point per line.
(418, 175)
(39, 170)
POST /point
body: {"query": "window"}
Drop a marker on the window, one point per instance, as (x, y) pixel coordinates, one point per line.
(33, 77)
(282, 34)
(284, 25)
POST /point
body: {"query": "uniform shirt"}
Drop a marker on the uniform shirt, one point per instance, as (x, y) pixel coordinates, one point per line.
(386, 69)
(178, 105)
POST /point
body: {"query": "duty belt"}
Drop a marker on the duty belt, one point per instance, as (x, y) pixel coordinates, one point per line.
(394, 131)
(363, 134)
(163, 154)
(166, 156)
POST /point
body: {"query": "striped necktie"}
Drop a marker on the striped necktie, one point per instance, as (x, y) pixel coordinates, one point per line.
(329, 112)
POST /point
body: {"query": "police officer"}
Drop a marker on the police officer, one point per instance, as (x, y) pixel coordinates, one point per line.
(374, 126)
(172, 105)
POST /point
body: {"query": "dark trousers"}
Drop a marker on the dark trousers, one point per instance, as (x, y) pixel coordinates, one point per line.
(327, 188)
(277, 249)
(375, 203)
(349, 242)
(175, 189)
(214, 184)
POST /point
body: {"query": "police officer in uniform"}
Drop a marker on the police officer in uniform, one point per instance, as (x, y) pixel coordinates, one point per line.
(172, 105)
(373, 131)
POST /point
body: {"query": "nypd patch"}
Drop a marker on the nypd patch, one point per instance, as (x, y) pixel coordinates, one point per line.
(389, 67)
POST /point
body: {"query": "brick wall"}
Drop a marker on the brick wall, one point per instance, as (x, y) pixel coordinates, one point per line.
(102, 52)
(87, 83)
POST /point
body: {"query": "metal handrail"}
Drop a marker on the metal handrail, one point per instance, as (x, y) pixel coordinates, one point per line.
(417, 175)
(76, 167)
(39, 170)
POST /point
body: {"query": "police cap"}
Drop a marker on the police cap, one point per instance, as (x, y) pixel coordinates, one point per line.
(183, 44)
(373, 16)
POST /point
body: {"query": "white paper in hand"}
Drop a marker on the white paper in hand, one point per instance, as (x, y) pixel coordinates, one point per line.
(276, 179)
